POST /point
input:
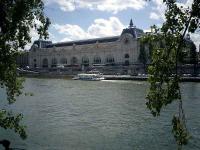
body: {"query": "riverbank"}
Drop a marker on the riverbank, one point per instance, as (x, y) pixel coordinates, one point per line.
(144, 78)
(108, 77)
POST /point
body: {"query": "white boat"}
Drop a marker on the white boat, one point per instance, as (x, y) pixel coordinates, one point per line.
(89, 77)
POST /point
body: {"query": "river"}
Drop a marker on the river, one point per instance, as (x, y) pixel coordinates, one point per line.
(106, 115)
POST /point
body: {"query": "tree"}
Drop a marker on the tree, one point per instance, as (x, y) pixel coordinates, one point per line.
(17, 18)
(164, 79)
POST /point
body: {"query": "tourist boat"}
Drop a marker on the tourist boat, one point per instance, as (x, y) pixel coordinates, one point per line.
(91, 76)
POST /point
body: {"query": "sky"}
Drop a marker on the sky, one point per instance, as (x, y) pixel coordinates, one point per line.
(86, 19)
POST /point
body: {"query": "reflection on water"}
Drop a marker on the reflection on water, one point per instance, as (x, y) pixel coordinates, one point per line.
(80, 115)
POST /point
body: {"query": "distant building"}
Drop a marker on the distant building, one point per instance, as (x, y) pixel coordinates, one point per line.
(22, 59)
(116, 54)
(190, 55)
(109, 51)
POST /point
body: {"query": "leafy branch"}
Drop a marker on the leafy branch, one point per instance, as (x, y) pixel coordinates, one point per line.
(18, 18)
(167, 44)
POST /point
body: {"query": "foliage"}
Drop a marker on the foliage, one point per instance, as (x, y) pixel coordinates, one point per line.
(167, 45)
(17, 19)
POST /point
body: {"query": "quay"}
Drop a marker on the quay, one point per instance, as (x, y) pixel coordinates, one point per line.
(144, 78)
(106, 77)
(125, 77)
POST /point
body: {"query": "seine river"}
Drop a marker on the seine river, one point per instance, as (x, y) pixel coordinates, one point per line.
(105, 115)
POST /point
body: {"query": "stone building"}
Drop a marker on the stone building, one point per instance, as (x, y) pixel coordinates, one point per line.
(111, 55)
(122, 50)
(22, 59)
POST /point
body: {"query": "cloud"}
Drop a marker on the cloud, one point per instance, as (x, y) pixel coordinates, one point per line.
(99, 28)
(154, 16)
(119, 5)
(113, 6)
(158, 10)
(72, 31)
(103, 27)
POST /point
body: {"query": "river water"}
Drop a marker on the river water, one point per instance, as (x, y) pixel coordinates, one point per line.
(106, 115)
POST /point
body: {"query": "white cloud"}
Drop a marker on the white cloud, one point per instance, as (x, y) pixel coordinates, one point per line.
(34, 36)
(113, 6)
(147, 30)
(158, 10)
(154, 16)
(119, 5)
(72, 31)
(103, 27)
(99, 28)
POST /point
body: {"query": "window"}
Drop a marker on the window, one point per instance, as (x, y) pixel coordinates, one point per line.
(54, 62)
(110, 59)
(74, 60)
(97, 60)
(126, 41)
(85, 60)
(126, 55)
(45, 63)
(63, 61)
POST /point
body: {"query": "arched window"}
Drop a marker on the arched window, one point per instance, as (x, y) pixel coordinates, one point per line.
(97, 60)
(85, 61)
(54, 62)
(126, 55)
(74, 60)
(110, 59)
(63, 61)
(45, 63)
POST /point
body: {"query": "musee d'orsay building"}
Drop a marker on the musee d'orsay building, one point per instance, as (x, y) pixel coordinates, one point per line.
(116, 54)
(107, 52)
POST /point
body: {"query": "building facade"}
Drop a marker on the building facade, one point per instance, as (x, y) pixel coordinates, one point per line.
(109, 51)
(22, 59)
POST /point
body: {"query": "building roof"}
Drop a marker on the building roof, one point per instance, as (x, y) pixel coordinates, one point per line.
(83, 42)
(135, 32)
